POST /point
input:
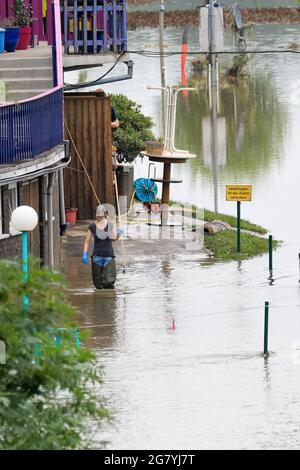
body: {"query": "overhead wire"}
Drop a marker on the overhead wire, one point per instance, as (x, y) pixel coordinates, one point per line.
(96, 81)
(158, 54)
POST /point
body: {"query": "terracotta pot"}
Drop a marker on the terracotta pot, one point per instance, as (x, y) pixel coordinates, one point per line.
(154, 148)
(71, 215)
(25, 37)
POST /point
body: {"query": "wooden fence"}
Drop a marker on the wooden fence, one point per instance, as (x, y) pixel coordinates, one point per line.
(88, 120)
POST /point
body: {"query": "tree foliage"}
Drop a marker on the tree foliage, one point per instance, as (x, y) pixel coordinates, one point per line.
(135, 128)
(49, 393)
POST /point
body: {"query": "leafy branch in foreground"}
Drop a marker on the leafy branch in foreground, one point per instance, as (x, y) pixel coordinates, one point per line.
(49, 394)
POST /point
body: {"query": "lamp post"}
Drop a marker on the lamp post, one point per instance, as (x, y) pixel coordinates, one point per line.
(24, 219)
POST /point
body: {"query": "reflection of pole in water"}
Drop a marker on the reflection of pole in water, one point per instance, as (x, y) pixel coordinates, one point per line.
(234, 104)
(162, 59)
(214, 100)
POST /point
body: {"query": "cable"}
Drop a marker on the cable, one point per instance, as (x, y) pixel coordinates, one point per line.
(119, 215)
(95, 82)
(157, 54)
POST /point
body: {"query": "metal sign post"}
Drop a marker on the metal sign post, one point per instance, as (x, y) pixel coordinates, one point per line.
(238, 193)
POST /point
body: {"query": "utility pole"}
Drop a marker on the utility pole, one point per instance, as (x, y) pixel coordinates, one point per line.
(161, 42)
(214, 98)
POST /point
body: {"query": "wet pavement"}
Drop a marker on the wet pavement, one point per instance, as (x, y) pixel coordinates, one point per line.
(181, 338)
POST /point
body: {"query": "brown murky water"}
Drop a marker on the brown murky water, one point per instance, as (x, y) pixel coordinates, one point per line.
(204, 384)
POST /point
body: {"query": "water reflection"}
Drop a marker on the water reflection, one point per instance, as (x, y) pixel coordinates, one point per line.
(99, 316)
(211, 369)
(255, 122)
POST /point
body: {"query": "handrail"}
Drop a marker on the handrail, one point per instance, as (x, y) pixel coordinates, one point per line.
(33, 98)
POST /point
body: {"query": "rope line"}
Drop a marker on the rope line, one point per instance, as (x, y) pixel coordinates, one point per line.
(82, 163)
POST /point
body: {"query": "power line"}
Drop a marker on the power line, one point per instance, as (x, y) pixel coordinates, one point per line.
(95, 82)
(157, 54)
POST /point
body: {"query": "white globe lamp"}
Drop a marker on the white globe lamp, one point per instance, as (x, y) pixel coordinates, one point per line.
(24, 219)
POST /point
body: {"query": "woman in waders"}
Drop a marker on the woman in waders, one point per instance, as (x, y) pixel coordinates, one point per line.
(103, 258)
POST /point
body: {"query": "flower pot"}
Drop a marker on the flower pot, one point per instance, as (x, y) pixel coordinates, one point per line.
(154, 148)
(71, 215)
(2, 39)
(12, 36)
(25, 37)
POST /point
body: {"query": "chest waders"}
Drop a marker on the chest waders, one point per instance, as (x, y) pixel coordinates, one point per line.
(104, 270)
(104, 277)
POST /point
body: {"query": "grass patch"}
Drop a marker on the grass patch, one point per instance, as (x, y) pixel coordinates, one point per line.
(209, 216)
(223, 245)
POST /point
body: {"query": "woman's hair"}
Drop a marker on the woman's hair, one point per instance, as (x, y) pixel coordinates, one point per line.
(101, 217)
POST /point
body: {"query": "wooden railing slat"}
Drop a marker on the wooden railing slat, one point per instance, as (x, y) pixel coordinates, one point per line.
(85, 26)
(75, 26)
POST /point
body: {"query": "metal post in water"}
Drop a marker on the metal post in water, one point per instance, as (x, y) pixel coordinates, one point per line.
(270, 253)
(266, 329)
(238, 226)
(214, 99)
(161, 42)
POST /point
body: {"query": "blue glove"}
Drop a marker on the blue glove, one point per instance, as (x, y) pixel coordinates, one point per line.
(85, 257)
(120, 231)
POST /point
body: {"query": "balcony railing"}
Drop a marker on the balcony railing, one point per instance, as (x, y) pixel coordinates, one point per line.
(88, 26)
(32, 127)
(94, 26)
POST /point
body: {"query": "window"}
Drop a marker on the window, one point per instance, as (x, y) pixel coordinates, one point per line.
(8, 202)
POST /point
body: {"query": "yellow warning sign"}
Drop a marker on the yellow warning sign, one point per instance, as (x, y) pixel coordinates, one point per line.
(238, 192)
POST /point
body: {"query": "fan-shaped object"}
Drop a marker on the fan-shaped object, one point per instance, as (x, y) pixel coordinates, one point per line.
(145, 189)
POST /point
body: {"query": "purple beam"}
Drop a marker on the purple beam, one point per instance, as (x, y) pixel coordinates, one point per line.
(123, 27)
(36, 18)
(58, 42)
(2, 10)
(49, 23)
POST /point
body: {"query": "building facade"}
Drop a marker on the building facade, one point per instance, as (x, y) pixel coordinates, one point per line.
(32, 148)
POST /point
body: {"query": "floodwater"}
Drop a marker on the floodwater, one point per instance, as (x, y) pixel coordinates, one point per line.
(204, 383)
(190, 4)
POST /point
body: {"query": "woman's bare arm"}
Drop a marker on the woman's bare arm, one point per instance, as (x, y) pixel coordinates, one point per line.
(87, 241)
(114, 234)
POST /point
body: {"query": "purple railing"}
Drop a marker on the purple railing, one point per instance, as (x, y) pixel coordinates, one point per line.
(88, 26)
(94, 26)
(31, 127)
(34, 126)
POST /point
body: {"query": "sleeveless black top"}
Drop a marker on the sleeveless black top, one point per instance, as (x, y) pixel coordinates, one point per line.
(103, 240)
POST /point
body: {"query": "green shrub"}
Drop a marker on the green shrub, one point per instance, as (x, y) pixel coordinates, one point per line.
(49, 394)
(134, 131)
(22, 13)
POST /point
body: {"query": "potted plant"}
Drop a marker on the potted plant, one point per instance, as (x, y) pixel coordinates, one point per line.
(129, 139)
(23, 16)
(12, 33)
